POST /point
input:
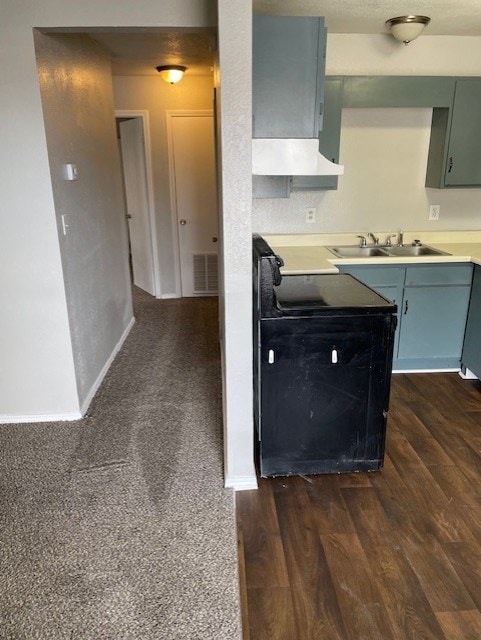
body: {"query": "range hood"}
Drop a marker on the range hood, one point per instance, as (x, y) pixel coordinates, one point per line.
(291, 157)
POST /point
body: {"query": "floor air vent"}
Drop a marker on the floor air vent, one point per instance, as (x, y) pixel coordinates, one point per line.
(205, 273)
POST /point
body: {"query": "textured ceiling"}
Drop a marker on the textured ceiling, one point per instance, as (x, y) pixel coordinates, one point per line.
(139, 53)
(448, 17)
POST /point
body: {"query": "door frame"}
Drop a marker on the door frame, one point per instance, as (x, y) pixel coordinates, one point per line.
(144, 117)
(169, 115)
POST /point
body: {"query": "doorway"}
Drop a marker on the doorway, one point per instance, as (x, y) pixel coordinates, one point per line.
(191, 147)
(133, 133)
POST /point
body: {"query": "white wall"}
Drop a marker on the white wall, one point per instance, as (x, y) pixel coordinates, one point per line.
(37, 376)
(156, 96)
(77, 100)
(36, 362)
(384, 151)
(235, 122)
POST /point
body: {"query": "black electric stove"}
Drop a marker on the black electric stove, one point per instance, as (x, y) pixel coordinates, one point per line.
(328, 294)
(322, 369)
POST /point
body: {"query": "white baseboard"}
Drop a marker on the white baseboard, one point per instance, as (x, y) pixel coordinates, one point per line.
(449, 370)
(467, 374)
(168, 296)
(74, 415)
(105, 368)
(241, 483)
(47, 417)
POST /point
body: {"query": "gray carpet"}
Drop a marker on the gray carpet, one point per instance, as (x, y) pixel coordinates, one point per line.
(118, 526)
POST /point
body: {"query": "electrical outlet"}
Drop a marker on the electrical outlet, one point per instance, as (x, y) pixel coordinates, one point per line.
(311, 214)
(434, 211)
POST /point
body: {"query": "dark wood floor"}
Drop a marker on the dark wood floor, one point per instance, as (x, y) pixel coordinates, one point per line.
(391, 554)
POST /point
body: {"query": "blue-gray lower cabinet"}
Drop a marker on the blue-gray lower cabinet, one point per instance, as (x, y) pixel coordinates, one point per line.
(386, 280)
(432, 303)
(471, 357)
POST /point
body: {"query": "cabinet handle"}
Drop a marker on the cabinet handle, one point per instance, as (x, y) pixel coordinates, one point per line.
(405, 307)
(450, 165)
(271, 356)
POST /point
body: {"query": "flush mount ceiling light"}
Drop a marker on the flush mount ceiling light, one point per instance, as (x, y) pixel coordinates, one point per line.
(407, 28)
(171, 73)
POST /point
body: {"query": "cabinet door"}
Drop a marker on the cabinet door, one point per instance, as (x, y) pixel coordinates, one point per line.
(329, 138)
(471, 357)
(463, 166)
(324, 391)
(394, 293)
(288, 76)
(432, 322)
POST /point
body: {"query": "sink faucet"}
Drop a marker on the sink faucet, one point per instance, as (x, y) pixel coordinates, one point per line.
(388, 239)
(374, 237)
(362, 241)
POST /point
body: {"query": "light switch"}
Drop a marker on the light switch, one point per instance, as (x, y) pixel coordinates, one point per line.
(71, 172)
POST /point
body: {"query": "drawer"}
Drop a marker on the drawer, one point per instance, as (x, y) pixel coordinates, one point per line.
(383, 276)
(434, 274)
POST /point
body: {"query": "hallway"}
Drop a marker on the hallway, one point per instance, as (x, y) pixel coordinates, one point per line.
(118, 525)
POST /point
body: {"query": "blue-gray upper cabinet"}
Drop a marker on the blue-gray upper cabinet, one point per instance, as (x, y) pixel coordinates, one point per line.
(329, 137)
(455, 149)
(289, 57)
(398, 91)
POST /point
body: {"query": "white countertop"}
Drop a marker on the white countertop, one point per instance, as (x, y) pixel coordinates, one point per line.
(309, 253)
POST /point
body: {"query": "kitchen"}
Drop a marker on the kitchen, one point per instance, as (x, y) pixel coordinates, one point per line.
(431, 292)
(385, 555)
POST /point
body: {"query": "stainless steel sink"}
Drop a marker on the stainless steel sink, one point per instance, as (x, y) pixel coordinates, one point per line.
(411, 251)
(357, 252)
(416, 250)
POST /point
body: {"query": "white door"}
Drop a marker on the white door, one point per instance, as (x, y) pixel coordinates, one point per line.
(194, 182)
(136, 195)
